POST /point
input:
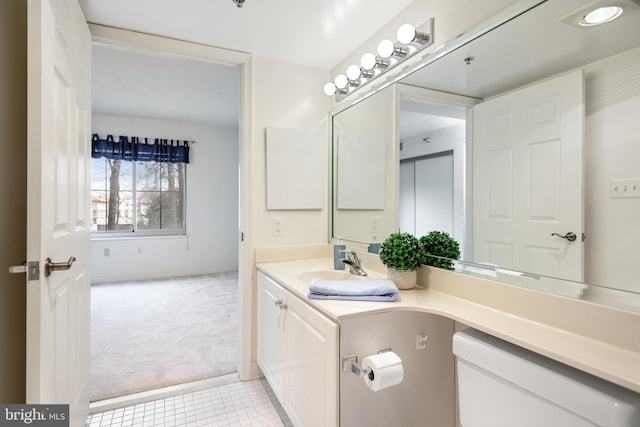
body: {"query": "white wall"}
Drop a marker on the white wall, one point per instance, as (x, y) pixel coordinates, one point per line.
(286, 95)
(612, 151)
(13, 191)
(211, 242)
(375, 117)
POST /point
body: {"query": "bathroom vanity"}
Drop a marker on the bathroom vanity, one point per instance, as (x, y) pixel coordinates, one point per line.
(300, 350)
(302, 342)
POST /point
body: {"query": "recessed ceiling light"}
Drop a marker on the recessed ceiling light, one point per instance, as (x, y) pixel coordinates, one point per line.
(601, 15)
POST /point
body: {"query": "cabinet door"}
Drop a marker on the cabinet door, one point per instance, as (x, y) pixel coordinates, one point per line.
(311, 382)
(270, 328)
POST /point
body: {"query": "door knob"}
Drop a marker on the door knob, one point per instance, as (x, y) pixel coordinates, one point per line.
(50, 266)
(570, 236)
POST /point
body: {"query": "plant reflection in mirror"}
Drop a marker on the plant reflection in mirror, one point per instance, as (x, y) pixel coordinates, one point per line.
(439, 249)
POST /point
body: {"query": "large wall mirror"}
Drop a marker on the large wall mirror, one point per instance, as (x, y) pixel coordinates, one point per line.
(513, 143)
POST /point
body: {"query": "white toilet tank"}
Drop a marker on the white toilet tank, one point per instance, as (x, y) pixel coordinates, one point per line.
(503, 385)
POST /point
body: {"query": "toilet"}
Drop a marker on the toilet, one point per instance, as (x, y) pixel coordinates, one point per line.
(503, 385)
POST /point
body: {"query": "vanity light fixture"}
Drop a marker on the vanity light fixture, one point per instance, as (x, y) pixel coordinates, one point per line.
(239, 3)
(389, 53)
(601, 15)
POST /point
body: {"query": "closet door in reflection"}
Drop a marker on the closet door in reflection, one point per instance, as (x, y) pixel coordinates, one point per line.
(426, 194)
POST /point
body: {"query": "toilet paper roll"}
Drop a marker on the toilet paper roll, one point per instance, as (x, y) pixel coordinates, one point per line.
(386, 370)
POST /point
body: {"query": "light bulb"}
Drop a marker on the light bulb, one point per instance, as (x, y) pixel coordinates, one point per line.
(353, 72)
(406, 33)
(329, 89)
(368, 61)
(601, 15)
(386, 48)
(341, 81)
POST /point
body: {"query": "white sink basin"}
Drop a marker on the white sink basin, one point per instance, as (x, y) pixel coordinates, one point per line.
(328, 275)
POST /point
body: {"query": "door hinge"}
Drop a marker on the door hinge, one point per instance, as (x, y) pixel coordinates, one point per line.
(242, 236)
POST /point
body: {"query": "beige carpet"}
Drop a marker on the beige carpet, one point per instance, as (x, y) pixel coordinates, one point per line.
(151, 334)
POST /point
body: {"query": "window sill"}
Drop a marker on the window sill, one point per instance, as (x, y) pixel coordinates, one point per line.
(136, 236)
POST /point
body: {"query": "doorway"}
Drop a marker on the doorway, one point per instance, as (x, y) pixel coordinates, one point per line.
(156, 281)
(433, 132)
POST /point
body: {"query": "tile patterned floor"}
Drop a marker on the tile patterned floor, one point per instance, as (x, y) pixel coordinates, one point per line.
(250, 403)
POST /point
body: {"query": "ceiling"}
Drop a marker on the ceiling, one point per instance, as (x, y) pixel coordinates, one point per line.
(536, 44)
(515, 54)
(138, 84)
(420, 117)
(317, 33)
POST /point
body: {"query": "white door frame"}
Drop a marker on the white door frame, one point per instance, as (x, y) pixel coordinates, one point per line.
(117, 37)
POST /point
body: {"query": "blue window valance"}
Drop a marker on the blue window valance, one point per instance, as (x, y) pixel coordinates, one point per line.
(130, 148)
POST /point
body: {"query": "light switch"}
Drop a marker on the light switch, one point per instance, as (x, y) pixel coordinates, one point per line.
(624, 188)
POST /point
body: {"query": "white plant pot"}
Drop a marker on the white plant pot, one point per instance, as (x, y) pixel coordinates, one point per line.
(403, 279)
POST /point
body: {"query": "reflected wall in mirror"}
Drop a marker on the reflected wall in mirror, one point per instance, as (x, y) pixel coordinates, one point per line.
(365, 211)
(539, 45)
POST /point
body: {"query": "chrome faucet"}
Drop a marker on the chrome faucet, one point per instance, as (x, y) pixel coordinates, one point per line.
(353, 262)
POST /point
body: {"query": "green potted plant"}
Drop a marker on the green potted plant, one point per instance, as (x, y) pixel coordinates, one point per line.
(402, 254)
(444, 247)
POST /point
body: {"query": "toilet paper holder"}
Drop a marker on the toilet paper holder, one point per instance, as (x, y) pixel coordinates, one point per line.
(350, 363)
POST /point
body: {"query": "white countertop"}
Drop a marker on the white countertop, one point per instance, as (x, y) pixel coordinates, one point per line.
(598, 340)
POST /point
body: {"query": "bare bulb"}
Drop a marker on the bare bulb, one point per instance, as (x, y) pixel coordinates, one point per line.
(386, 48)
(329, 89)
(406, 33)
(341, 81)
(368, 61)
(353, 72)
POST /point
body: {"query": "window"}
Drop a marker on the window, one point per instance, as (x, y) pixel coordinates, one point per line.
(134, 196)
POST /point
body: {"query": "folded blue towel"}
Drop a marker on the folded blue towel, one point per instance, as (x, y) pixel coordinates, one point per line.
(356, 290)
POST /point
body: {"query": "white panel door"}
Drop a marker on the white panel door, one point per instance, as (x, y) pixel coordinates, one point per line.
(527, 178)
(58, 139)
